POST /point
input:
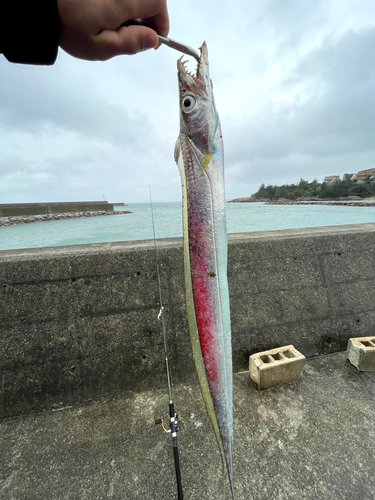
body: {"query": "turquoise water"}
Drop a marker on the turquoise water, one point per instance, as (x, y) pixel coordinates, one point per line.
(242, 217)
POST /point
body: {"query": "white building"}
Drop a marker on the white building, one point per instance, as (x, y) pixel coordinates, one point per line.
(331, 179)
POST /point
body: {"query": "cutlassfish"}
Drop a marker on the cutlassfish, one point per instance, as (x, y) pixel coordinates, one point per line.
(199, 155)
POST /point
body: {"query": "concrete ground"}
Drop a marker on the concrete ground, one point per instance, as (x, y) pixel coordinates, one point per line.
(312, 439)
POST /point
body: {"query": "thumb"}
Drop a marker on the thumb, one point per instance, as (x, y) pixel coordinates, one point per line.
(126, 40)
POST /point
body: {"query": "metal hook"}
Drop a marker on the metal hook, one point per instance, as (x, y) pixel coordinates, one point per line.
(173, 44)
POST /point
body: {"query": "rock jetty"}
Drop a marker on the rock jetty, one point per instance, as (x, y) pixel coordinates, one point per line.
(27, 219)
(249, 199)
(330, 203)
(350, 201)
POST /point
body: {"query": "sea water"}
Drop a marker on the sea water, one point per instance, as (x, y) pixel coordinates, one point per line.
(241, 217)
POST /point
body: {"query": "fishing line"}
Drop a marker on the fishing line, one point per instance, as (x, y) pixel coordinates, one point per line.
(173, 422)
(161, 313)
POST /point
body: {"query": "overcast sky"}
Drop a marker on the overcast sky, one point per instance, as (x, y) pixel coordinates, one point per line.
(294, 84)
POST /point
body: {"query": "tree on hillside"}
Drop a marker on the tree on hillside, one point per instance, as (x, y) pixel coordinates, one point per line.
(305, 189)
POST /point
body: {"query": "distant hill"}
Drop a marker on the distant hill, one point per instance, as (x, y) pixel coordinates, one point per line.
(312, 190)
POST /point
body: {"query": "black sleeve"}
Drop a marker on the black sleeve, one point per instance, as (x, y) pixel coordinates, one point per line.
(29, 31)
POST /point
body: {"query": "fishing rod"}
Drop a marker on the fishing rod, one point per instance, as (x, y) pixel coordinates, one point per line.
(173, 422)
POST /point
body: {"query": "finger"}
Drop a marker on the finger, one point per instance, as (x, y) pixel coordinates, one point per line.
(126, 40)
(159, 23)
(153, 13)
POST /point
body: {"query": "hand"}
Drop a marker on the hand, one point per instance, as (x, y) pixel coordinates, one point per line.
(90, 28)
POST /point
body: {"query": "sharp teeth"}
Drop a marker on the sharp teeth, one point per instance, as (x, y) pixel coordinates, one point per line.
(184, 63)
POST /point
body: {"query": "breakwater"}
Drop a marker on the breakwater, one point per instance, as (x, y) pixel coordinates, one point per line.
(24, 209)
(81, 322)
(27, 219)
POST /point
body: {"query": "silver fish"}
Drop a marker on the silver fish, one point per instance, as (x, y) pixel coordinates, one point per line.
(199, 155)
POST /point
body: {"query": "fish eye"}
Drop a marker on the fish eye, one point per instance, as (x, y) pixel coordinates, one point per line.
(188, 103)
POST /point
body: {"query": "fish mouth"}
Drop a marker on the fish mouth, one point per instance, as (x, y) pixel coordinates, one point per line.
(201, 77)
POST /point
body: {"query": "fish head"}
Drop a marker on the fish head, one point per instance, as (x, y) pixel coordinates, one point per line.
(199, 119)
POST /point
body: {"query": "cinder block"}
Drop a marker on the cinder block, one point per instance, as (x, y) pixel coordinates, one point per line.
(275, 367)
(361, 353)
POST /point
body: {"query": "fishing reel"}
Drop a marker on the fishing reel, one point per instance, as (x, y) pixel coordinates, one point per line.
(173, 424)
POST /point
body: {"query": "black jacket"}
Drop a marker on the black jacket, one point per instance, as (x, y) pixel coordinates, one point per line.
(29, 31)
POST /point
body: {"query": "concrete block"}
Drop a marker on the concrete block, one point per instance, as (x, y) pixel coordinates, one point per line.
(276, 366)
(361, 353)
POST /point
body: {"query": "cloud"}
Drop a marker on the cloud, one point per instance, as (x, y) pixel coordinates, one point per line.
(327, 121)
(293, 82)
(42, 102)
(46, 170)
(60, 140)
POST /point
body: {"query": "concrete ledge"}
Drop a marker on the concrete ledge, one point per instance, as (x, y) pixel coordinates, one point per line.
(276, 367)
(361, 353)
(80, 323)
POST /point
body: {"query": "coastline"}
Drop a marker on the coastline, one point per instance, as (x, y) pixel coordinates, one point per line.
(28, 219)
(352, 201)
(327, 203)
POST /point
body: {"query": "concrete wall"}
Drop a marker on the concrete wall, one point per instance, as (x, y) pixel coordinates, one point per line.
(16, 209)
(80, 322)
